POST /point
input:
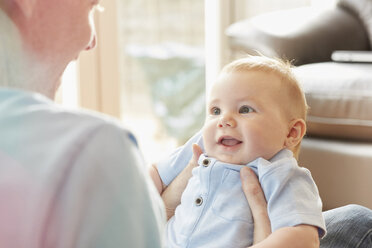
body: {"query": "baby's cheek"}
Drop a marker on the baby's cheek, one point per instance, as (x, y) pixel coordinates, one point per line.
(258, 142)
(208, 138)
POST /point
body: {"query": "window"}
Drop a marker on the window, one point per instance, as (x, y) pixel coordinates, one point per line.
(162, 73)
(149, 67)
(148, 70)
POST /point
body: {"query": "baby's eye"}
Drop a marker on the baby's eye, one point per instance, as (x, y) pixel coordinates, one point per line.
(215, 111)
(245, 109)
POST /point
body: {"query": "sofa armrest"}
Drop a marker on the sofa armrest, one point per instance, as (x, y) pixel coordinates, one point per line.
(304, 35)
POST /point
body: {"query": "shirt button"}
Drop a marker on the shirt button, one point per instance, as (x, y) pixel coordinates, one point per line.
(206, 162)
(199, 201)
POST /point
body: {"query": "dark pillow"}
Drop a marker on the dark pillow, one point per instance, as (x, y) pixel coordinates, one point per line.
(363, 9)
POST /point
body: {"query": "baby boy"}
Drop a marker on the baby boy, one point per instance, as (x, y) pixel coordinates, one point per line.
(256, 115)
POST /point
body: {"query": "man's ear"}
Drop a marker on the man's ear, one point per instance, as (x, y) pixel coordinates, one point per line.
(297, 130)
(26, 6)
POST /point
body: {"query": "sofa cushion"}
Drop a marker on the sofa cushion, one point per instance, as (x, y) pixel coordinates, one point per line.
(363, 9)
(340, 99)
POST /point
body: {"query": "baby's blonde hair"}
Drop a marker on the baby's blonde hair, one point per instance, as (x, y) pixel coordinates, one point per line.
(283, 69)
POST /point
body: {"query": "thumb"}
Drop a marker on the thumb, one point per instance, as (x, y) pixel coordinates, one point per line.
(196, 152)
(254, 193)
(257, 202)
(252, 188)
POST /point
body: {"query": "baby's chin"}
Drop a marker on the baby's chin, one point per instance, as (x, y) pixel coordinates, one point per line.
(231, 159)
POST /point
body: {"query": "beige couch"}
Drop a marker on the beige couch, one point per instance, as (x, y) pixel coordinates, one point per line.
(338, 145)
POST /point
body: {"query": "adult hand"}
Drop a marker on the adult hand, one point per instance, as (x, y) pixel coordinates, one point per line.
(297, 236)
(257, 202)
(172, 194)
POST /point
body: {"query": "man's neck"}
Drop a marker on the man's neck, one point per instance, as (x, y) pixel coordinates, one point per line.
(23, 69)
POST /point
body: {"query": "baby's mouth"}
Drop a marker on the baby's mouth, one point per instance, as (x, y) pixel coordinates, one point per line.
(228, 141)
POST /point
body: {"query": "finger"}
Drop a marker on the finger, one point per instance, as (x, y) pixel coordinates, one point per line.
(257, 202)
(252, 189)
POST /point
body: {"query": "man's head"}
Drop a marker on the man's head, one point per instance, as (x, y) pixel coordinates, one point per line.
(52, 32)
(255, 109)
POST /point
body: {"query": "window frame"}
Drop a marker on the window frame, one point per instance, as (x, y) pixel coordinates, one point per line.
(98, 70)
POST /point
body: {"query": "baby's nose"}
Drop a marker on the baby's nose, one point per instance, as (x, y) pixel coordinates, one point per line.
(226, 121)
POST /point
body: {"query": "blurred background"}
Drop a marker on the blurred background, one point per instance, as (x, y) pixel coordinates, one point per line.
(154, 60)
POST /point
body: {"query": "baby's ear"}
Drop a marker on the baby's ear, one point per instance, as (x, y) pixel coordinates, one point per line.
(297, 130)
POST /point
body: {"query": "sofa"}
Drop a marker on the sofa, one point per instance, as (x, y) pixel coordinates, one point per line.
(337, 148)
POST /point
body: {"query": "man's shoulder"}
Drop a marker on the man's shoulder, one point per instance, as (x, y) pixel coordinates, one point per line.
(91, 125)
(47, 120)
(31, 105)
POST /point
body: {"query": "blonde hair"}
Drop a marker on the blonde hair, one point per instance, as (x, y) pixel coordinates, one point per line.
(283, 69)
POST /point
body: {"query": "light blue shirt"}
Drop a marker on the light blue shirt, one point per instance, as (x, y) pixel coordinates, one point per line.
(71, 179)
(214, 211)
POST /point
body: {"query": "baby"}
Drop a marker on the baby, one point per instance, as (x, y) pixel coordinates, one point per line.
(255, 117)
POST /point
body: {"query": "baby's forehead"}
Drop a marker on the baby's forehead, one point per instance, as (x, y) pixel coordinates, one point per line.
(243, 89)
(251, 79)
